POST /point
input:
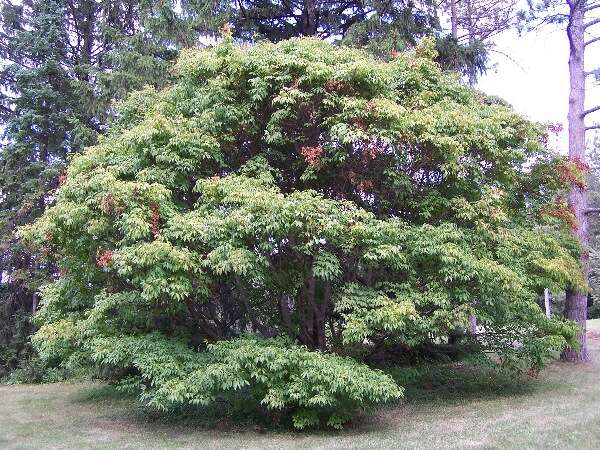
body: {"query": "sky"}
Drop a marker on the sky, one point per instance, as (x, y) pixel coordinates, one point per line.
(531, 73)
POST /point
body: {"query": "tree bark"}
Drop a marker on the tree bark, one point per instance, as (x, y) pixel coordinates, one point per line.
(576, 301)
(309, 18)
(453, 19)
(471, 31)
(547, 303)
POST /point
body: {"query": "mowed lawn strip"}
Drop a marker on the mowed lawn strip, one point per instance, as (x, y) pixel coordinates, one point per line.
(560, 410)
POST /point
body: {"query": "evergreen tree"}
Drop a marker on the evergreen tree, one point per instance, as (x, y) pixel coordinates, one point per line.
(65, 61)
(43, 122)
(382, 28)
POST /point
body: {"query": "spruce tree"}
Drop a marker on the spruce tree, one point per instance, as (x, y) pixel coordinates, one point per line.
(65, 61)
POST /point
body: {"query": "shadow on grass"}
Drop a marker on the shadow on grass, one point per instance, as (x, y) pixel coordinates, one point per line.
(102, 393)
(458, 382)
(436, 384)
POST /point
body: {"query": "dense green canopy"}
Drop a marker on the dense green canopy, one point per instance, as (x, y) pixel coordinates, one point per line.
(286, 211)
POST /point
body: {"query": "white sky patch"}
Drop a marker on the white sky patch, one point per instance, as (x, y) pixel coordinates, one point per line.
(532, 74)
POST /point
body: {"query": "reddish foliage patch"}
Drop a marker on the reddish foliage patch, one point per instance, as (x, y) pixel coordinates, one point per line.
(580, 164)
(104, 258)
(555, 128)
(107, 204)
(62, 179)
(360, 123)
(572, 171)
(564, 213)
(312, 155)
(336, 86)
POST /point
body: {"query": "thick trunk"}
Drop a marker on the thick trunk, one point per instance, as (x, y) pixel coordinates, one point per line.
(453, 19)
(576, 301)
(471, 31)
(312, 304)
(309, 18)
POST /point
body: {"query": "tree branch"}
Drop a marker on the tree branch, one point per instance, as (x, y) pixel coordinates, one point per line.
(591, 22)
(591, 110)
(591, 41)
(593, 127)
(589, 8)
(592, 210)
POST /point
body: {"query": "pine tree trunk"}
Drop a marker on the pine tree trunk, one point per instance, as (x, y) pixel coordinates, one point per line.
(471, 31)
(576, 301)
(453, 19)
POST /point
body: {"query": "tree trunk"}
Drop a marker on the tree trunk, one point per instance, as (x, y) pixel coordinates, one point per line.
(547, 303)
(471, 31)
(453, 19)
(309, 18)
(576, 301)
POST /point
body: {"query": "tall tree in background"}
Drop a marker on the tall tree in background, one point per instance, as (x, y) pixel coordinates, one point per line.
(579, 31)
(383, 28)
(277, 20)
(474, 22)
(593, 183)
(64, 62)
(43, 122)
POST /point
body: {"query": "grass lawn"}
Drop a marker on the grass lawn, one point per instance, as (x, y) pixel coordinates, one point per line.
(560, 410)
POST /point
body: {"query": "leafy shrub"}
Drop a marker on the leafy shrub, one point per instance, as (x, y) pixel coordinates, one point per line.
(316, 387)
(326, 203)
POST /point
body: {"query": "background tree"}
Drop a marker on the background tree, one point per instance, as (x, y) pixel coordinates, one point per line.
(579, 27)
(594, 227)
(474, 22)
(264, 227)
(64, 62)
(382, 28)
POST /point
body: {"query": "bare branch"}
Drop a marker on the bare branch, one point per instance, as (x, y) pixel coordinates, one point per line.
(591, 110)
(591, 41)
(592, 210)
(593, 127)
(591, 22)
(589, 8)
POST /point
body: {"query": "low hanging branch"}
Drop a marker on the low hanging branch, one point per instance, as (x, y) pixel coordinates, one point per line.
(591, 7)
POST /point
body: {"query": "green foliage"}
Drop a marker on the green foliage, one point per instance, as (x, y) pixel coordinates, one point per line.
(593, 185)
(317, 387)
(63, 63)
(318, 200)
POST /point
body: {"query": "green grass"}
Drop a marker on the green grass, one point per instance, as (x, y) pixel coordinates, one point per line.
(560, 410)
